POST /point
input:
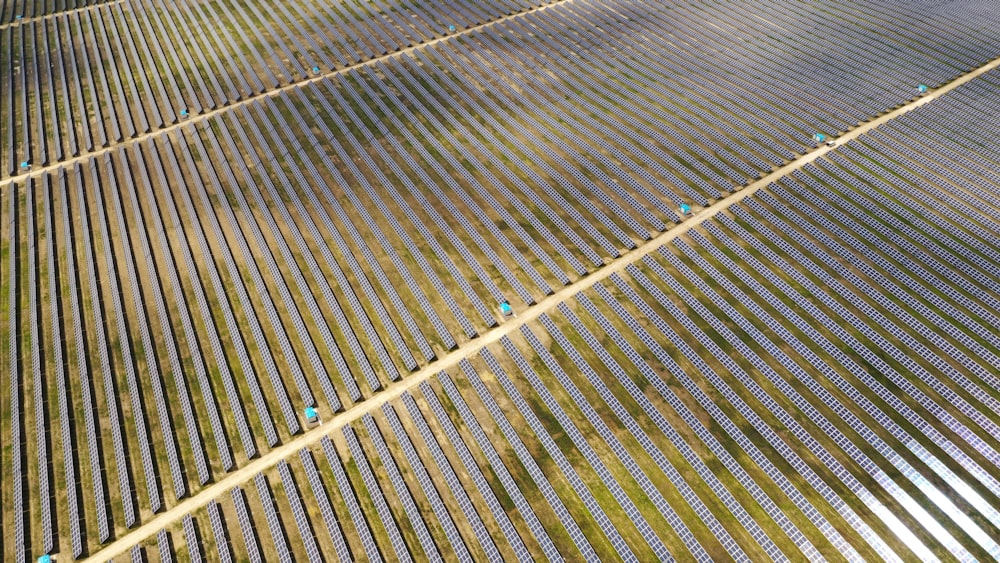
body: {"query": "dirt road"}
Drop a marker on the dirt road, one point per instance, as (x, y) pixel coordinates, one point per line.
(32, 19)
(38, 172)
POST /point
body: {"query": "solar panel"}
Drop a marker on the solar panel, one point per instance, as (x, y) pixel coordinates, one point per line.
(163, 546)
(414, 514)
(323, 501)
(191, 537)
(472, 469)
(268, 505)
(247, 527)
(298, 512)
(426, 483)
(219, 532)
(374, 490)
(451, 479)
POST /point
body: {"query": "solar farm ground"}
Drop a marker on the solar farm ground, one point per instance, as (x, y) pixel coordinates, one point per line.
(252, 209)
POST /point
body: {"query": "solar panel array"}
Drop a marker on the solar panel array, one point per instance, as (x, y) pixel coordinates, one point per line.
(323, 501)
(219, 532)
(351, 500)
(403, 493)
(779, 383)
(272, 519)
(191, 538)
(455, 487)
(251, 546)
(175, 303)
(18, 10)
(163, 546)
(298, 512)
(148, 64)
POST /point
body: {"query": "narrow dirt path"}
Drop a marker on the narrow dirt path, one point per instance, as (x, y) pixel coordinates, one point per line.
(250, 99)
(394, 390)
(32, 19)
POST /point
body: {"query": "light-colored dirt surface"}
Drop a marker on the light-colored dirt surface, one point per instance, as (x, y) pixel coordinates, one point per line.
(250, 99)
(25, 21)
(394, 390)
